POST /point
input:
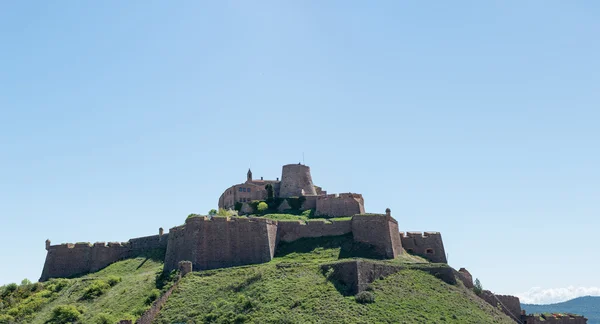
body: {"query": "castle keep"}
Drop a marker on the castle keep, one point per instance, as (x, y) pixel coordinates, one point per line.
(218, 242)
(296, 182)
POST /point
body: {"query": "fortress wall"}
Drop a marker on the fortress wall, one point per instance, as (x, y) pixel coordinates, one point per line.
(67, 260)
(510, 304)
(376, 230)
(428, 245)
(148, 243)
(291, 231)
(221, 242)
(310, 202)
(296, 181)
(346, 204)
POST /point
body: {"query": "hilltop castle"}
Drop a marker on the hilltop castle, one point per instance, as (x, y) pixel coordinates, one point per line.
(219, 242)
(296, 181)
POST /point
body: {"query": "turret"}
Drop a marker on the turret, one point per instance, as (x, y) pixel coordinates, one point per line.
(249, 176)
(296, 181)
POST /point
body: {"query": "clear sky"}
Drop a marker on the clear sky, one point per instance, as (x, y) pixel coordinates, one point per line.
(478, 119)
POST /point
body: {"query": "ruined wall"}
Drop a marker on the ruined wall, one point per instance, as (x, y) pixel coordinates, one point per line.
(68, 260)
(510, 305)
(291, 231)
(336, 205)
(466, 277)
(379, 231)
(428, 245)
(221, 242)
(551, 319)
(296, 181)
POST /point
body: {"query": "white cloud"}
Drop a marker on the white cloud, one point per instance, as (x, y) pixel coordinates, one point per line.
(538, 295)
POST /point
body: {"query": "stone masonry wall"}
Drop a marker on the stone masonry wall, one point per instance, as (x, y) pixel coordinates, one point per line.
(380, 231)
(291, 231)
(550, 319)
(510, 305)
(336, 205)
(221, 242)
(67, 260)
(428, 245)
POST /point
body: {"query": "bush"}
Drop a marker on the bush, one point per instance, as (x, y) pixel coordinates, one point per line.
(6, 319)
(113, 280)
(95, 289)
(262, 207)
(57, 285)
(25, 282)
(104, 318)
(153, 296)
(11, 287)
(365, 297)
(65, 314)
(212, 212)
(238, 206)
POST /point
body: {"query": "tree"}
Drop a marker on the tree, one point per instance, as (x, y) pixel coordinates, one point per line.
(478, 288)
(212, 212)
(262, 207)
(270, 192)
(25, 282)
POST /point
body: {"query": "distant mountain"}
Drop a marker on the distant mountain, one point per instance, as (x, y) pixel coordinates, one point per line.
(588, 306)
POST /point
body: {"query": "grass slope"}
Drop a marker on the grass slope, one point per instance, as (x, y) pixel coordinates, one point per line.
(588, 306)
(292, 289)
(126, 299)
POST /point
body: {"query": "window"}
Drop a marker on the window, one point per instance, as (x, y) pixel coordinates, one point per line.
(429, 251)
(248, 189)
(244, 189)
(240, 189)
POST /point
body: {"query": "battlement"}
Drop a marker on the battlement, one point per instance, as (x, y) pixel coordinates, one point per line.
(425, 244)
(342, 195)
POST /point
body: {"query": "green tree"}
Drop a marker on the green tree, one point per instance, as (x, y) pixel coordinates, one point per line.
(25, 282)
(212, 212)
(478, 287)
(270, 192)
(262, 207)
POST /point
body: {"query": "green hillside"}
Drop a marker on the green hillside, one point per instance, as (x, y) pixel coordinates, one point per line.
(292, 288)
(588, 306)
(120, 291)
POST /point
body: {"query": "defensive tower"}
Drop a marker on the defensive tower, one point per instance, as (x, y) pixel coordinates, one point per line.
(296, 181)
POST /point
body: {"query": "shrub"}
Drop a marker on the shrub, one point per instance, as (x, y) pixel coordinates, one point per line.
(262, 207)
(6, 319)
(238, 206)
(192, 215)
(365, 297)
(11, 287)
(57, 285)
(104, 318)
(154, 294)
(212, 212)
(113, 280)
(65, 314)
(25, 282)
(95, 289)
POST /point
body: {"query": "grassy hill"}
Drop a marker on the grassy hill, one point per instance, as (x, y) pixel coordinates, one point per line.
(588, 306)
(292, 288)
(123, 290)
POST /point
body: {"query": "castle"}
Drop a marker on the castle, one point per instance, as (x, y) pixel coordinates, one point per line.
(296, 181)
(219, 242)
(204, 242)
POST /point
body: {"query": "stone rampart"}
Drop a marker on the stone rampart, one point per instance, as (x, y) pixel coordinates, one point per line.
(336, 205)
(553, 319)
(380, 231)
(291, 231)
(221, 242)
(68, 260)
(428, 245)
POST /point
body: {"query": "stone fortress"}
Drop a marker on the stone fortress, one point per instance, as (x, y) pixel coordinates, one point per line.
(204, 242)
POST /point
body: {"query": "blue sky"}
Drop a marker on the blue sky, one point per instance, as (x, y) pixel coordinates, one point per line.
(478, 119)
